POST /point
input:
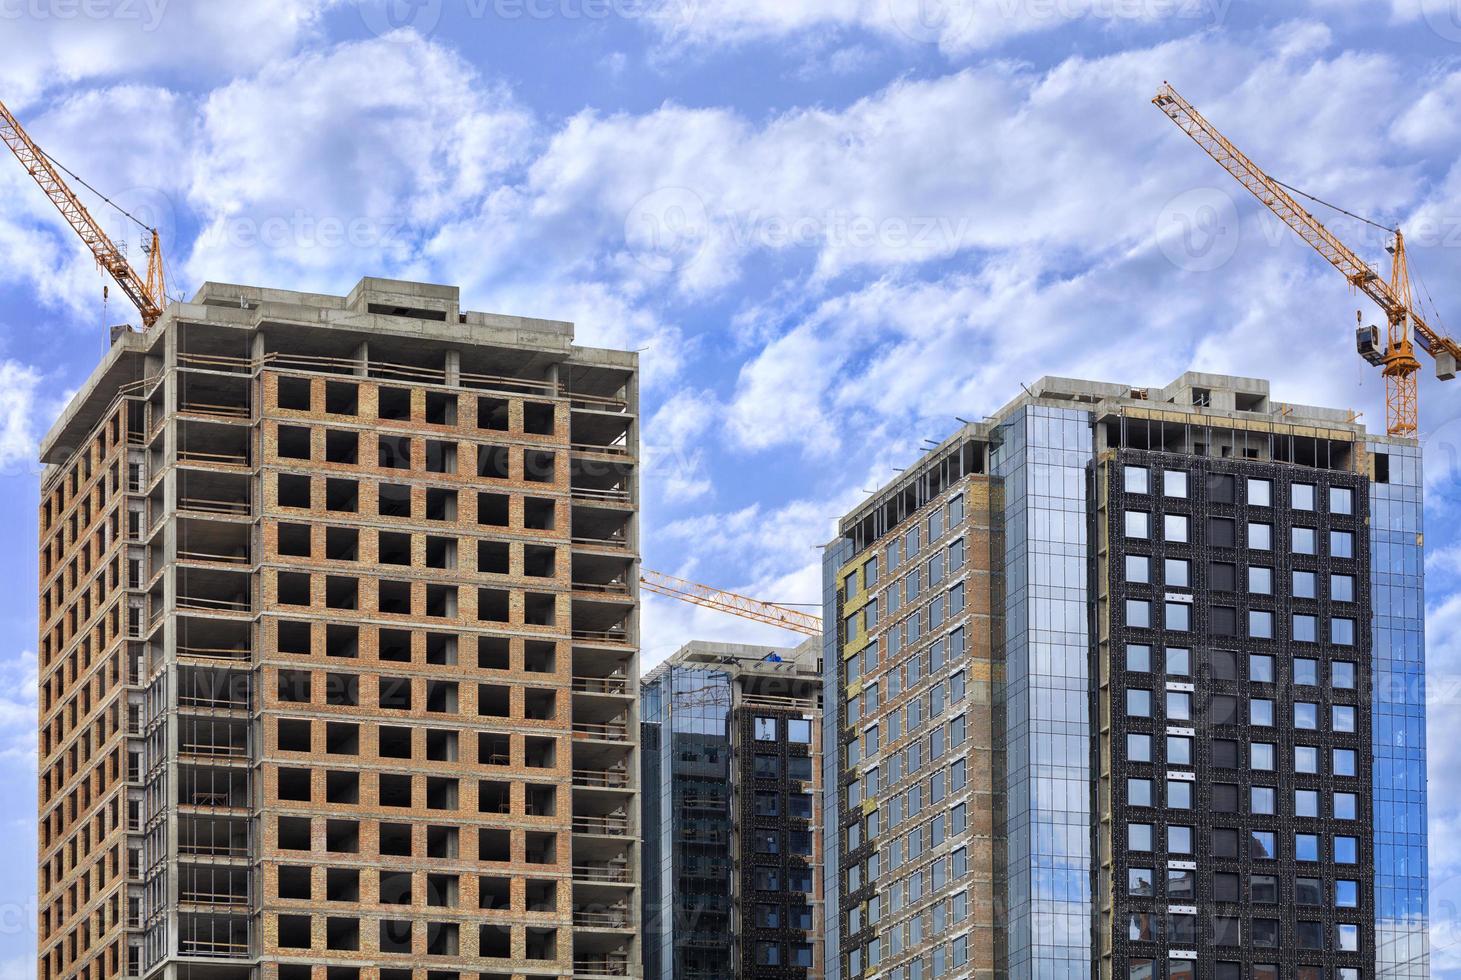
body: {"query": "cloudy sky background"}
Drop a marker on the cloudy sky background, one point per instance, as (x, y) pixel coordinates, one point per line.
(831, 225)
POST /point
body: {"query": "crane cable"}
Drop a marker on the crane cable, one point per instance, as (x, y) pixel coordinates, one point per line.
(1434, 310)
(98, 193)
(114, 205)
(1332, 207)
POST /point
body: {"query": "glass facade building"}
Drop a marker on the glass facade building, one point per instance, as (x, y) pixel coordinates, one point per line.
(915, 730)
(732, 846)
(1041, 455)
(1397, 583)
(1202, 756)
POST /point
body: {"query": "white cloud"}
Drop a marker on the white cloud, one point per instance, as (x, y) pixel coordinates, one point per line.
(1073, 160)
(1443, 689)
(1435, 118)
(131, 140)
(675, 459)
(339, 162)
(668, 624)
(56, 42)
(770, 545)
(1443, 560)
(18, 968)
(20, 419)
(771, 553)
(955, 26)
(18, 707)
(898, 359)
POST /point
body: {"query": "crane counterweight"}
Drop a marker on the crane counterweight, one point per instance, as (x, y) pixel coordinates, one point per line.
(1406, 329)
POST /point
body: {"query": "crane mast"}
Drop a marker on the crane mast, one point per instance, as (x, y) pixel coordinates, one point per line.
(1406, 329)
(148, 294)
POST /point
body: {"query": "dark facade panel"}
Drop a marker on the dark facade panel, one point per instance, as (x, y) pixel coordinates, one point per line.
(1233, 826)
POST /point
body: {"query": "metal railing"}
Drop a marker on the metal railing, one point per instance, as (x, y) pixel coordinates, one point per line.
(201, 849)
(200, 897)
(602, 588)
(603, 636)
(217, 411)
(206, 556)
(201, 604)
(605, 496)
(601, 685)
(614, 873)
(602, 919)
(215, 653)
(612, 732)
(219, 948)
(598, 403)
(221, 459)
(212, 750)
(217, 362)
(241, 508)
(619, 539)
(612, 823)
(581, 447)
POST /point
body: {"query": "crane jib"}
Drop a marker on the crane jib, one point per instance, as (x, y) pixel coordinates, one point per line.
(148, 293)
(1393, 297)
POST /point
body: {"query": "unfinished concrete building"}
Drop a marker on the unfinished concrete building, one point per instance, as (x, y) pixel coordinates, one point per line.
(338, 647)
(731, 789)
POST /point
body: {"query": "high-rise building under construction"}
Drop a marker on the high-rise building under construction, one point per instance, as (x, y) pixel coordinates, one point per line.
(1129, 684)
(732, 837)
(338, 642)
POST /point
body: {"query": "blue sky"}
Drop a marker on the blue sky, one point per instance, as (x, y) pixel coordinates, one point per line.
(832, 225)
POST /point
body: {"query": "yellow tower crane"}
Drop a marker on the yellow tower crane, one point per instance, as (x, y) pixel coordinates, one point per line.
(1407, 329)
(148, 294)
(730, 602)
